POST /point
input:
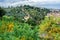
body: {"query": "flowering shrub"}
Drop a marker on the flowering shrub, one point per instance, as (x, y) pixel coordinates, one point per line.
(13, 30)
(50, 28)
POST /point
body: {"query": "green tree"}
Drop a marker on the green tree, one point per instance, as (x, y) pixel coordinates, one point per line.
(2, 12)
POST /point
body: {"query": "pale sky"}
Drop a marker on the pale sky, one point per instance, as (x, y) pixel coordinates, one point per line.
(43, 3)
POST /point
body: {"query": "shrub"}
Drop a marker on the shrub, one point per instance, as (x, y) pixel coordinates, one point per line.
(13, 30)
(50, 28)
(2, 12)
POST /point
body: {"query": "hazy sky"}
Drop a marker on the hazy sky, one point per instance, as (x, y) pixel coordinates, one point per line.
(42, 3)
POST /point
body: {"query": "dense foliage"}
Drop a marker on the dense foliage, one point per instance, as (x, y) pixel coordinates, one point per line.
(50, 28)
(28, 23)
(13, 30)
(2, 12)
(28, 14)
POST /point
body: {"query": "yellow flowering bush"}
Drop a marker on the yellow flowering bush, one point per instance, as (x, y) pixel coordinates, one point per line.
(10, 27)
(23, 38)
(50, 28)
(6, 26)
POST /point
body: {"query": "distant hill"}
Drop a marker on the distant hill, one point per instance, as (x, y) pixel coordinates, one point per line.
(28, 13)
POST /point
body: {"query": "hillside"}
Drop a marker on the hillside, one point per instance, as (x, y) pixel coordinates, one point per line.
(29, 23)
(28, 13)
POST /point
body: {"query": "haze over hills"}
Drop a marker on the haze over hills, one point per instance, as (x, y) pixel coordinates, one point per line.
(55, 4)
